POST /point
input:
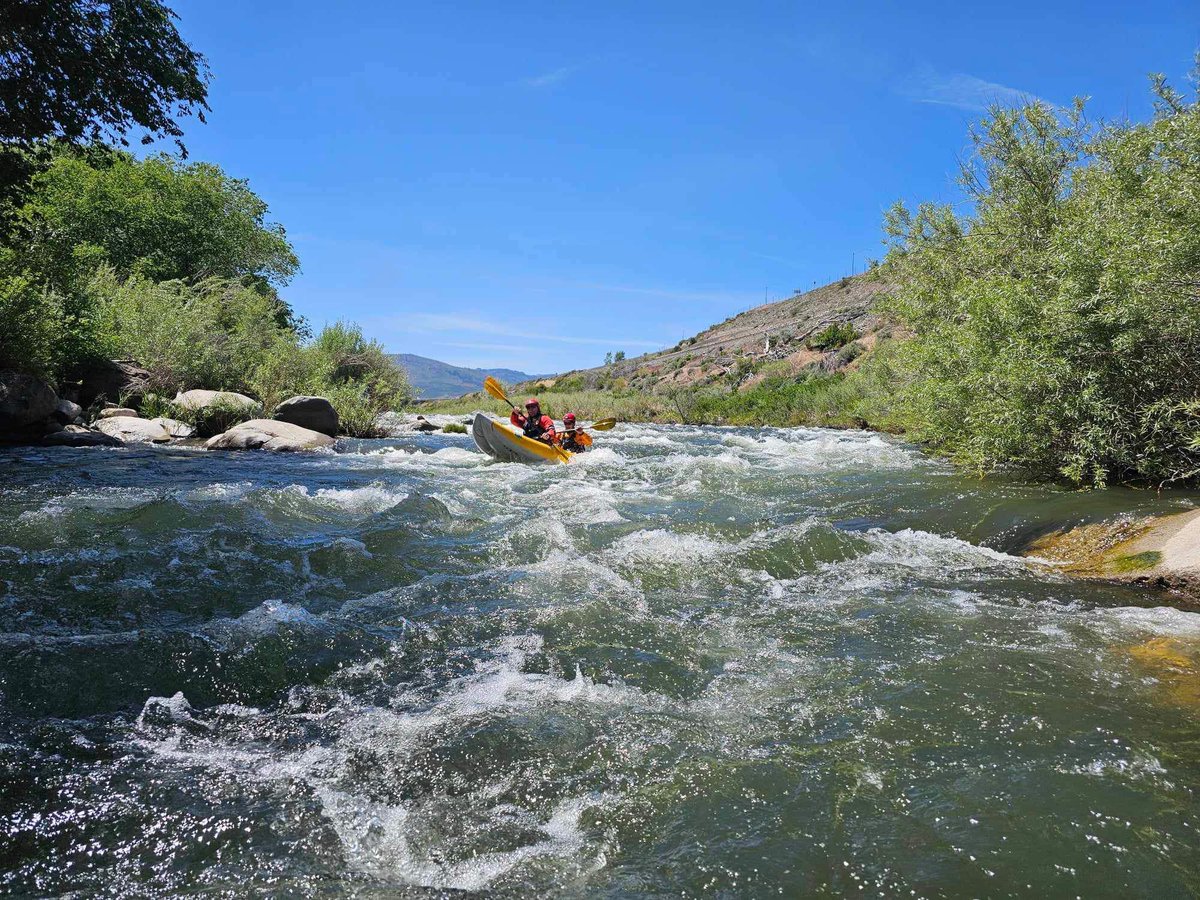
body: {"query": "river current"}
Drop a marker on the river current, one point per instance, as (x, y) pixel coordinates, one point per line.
(695, 662)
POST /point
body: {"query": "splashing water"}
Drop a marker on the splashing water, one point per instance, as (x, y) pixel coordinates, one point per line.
(693, 662)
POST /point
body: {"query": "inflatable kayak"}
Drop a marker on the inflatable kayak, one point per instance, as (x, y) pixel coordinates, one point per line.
(506, 445)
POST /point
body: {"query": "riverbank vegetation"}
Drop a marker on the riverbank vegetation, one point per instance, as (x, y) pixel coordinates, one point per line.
(1057, 326)
(174, 264)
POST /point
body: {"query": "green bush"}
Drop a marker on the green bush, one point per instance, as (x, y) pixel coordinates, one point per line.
(454, 428)
(832, 336)
(215, 334)
(1056, 328)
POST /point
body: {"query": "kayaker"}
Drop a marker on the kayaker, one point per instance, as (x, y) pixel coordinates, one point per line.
(575, 440)
(533, 424)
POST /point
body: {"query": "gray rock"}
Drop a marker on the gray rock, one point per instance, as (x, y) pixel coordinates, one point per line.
(175, 428)
(267, 434)
(113, 412)
(25, 403)
(67, 413)
(77, 436)
(133, 430)
(313, 413)
(391, 424)
(111, 380)
(199, 399)
(423, 424)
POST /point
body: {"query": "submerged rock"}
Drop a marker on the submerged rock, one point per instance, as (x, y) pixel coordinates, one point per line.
(78, 436)
(26, 402)
(133, 430)
(268, 434)
(314, 413)
(1163, 551)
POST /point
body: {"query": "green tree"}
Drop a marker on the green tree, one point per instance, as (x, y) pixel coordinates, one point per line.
(92, 70)
(158, 218)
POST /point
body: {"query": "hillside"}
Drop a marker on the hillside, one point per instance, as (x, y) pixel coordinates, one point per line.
(777, 338)
(435, 379)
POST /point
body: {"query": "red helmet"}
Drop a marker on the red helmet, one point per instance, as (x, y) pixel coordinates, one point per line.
(532, 401)
(569, 417)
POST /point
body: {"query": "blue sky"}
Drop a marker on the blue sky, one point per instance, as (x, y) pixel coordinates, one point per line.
(533, 185)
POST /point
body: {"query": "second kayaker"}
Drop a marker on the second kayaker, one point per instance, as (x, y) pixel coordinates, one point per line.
(534, 424)
(576, 440)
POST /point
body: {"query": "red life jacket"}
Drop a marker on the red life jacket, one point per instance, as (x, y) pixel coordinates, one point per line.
(539, 429)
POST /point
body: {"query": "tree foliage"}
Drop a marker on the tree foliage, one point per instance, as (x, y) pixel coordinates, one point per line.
(93, 70)
(158, 218)
(1057, 326)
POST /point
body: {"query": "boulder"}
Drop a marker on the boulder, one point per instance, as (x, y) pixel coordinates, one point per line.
(268, 434)
(391, 424)
(199, 399)
(175, 428)
(78, 436)
(26, 402)
(113, 412)
(133, 430)
(110, 379)
(313, 413)
(67, 413)
(423, 424)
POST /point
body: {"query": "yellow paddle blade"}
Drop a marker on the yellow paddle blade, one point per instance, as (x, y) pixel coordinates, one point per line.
(603, 424)
(493, 387)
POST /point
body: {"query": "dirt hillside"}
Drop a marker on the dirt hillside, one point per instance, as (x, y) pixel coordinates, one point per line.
(775, 338)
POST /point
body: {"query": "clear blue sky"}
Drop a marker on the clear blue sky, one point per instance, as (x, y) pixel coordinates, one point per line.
(460, 177)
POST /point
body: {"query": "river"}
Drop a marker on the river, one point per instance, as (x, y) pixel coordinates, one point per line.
(695, 662)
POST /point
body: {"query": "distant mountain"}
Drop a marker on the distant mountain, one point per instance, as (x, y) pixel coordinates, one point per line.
(436, 379)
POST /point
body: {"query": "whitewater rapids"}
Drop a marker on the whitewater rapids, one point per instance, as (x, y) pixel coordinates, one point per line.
(692, 662)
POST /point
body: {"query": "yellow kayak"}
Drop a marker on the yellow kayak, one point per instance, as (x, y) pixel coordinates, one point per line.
(506, 445)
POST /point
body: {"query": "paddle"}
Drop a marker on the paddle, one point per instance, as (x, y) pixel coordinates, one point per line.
(496, 389)
(599, 425)
(493, 387)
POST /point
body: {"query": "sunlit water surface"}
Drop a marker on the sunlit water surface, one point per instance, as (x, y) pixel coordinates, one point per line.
(694, 662)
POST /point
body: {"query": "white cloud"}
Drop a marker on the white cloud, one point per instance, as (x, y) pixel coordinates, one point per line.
(439, 323)
(549, 79)
(961, 91)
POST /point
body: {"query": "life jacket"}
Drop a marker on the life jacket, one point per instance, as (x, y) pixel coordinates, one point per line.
(533, 426)
(577, 441)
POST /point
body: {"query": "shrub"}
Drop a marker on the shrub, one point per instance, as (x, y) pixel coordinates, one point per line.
(832, 336)
(454, 428)
(1055, 327)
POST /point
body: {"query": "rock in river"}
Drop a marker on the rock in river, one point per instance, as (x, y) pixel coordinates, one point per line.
(314, 413)
(78, 436)
(133, 430)
(110, 379)
(114, 412)
(199, 399)
(267, 434)
(67, 413)
(175, 428)
(26, 402)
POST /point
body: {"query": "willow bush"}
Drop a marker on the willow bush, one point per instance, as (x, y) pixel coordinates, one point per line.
(1056, 327)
